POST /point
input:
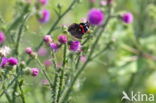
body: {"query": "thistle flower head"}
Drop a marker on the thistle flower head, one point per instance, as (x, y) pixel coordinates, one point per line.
(42, 52)
(47, 39)
(43, 2)
(62, 39)
(127, 18)
(45, 16)
(54, 46)
(2, 37)
(29, 50)
(34, 72)
(95, 17)
(4, 62)
(74, 46)
(12, 61)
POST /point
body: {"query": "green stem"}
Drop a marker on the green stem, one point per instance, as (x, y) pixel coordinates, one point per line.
(53, 59)
(55, 24)
(54, 90)
(14, 92)
(61, 83)
(20, 35)
(10, 84)
(44, 72)
(17, 21)
(103, 50)
(7, 96)
(78, 61)
(66, 93)
(22, 94)
(88, 37)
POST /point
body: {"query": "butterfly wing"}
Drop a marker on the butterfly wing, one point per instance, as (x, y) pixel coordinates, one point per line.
(75, 31)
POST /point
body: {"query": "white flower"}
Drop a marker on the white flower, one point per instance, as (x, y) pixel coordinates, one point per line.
(5, 50)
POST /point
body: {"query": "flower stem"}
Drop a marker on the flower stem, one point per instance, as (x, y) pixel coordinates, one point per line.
(22, 94)
(100, 52)
(55, 24)
(66, 93)
(17, 21)
(7, 96)
(44, 72)
(61, 83)
(20, 35)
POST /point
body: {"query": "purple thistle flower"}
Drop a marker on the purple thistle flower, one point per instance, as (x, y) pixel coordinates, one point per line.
(2, 37)
(29, 50)
(43, 2)
(34, 72)
(62, 39)
(12, 61)
(45, 16)
(127, 18)
(54, 46)
(74, 46)
(47, 39)
(42, 52)
(4, 62)
(95, 17)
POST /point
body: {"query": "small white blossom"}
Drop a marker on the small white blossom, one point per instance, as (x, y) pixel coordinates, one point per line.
(5, 50)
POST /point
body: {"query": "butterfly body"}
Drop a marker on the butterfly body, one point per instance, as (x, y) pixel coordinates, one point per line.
(78, 30)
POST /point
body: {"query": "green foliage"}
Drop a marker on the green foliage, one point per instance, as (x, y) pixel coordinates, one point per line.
(129, 63)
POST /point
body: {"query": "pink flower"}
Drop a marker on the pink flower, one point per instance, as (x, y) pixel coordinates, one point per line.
(42, 52)
(127, 18)
(45, 16)
(62, 39)
(8, 61)
(43, 2)
(74, 46)
(12, 61)
(4, 62)
(34, 71)
(54, 46)
(103, 3)
(2, 37)
(47, 39)
(29, 50)
(95, 17)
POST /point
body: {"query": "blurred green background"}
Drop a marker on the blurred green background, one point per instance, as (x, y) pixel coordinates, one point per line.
(117, 69)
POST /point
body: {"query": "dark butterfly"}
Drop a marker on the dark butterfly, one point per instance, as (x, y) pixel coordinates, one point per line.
(78, 30)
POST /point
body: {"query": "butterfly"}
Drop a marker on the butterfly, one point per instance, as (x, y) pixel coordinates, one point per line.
(78, 30)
